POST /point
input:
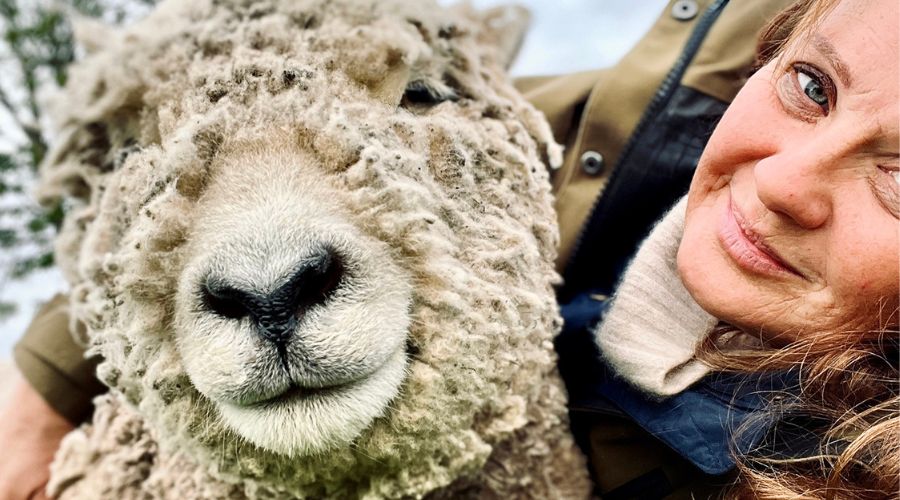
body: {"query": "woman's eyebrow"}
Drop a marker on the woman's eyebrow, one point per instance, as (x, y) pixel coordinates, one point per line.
(827, 49)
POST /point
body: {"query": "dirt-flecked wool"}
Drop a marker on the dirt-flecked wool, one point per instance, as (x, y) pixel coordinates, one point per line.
(409, 116)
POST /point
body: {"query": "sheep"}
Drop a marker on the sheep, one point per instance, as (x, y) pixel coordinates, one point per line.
(313, 242)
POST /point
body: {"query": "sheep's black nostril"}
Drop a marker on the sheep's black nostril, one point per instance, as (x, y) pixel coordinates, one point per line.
(314, 280)
(276, 313)
(224, 300)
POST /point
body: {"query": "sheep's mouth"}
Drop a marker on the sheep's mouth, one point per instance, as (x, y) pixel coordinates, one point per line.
(299, 419)
(296, 393)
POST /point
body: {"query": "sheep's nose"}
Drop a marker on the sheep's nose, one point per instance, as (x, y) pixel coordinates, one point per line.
(276, 313)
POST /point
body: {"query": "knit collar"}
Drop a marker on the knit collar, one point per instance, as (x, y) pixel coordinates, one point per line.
(651, 331)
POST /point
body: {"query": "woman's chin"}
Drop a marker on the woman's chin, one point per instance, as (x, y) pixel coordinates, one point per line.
(717, 285)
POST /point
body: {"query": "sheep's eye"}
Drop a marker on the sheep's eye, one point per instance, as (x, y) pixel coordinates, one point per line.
(420, 92)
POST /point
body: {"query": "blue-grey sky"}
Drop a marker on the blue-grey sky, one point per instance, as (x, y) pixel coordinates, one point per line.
(565, 36)
(574, 35)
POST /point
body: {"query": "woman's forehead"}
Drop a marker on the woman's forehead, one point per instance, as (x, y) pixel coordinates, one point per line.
(863, 35)
(859, 42)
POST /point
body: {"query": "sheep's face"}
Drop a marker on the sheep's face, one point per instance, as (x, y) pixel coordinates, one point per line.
(333, 239)
(289, 319)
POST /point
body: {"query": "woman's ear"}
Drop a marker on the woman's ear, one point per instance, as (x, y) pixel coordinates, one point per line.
(503, 27)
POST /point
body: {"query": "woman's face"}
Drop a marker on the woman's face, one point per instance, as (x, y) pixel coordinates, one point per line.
(792, 219)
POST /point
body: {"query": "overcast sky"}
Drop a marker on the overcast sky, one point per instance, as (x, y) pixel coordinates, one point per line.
(573, 35)
(565, 36)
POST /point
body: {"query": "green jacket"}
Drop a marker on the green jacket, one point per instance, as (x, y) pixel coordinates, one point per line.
(597, 115)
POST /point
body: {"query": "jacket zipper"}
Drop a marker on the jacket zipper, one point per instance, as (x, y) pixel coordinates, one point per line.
(662, 96)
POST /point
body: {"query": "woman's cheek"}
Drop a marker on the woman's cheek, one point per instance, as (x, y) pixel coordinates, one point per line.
(866, 275)
(747, 133)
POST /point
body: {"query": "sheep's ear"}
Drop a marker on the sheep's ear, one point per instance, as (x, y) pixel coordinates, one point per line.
(91, 34)
(390, 89)
(503, 26)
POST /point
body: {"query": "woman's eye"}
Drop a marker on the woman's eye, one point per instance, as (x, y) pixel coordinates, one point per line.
(888, 191)
(812, 89)
(894, 173)
(816, 86)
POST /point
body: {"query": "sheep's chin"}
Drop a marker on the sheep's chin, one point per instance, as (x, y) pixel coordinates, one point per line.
(303, 425)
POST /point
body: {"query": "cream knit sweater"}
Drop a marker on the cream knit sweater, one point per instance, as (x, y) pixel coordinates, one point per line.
(652, 329)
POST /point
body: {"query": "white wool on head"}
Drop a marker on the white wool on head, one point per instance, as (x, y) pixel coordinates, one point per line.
(446, 205)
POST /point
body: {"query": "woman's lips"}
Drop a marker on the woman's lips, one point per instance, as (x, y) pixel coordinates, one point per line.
(746, 247)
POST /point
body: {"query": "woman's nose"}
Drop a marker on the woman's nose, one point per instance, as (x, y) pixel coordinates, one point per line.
(796, 186)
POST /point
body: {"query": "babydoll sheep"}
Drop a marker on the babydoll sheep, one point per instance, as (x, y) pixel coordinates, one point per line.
(313, 241)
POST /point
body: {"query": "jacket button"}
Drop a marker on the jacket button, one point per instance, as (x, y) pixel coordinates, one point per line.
(684, 10)
(592, 162)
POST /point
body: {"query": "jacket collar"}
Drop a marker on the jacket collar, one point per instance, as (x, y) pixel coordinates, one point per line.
(652, 329)
(648, 337)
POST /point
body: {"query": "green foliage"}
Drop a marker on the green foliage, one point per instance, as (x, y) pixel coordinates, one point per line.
(24, 266)
(36, 47)
(7, 309)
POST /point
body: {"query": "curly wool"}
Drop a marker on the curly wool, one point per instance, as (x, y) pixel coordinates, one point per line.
(457, 190)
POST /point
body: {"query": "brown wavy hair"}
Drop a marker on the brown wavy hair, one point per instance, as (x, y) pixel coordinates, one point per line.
(847, 413)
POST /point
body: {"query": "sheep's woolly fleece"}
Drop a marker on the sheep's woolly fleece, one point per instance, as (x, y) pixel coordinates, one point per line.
(402, 115)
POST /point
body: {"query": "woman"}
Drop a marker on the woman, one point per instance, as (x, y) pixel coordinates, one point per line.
(792, 234)
(787, 268)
